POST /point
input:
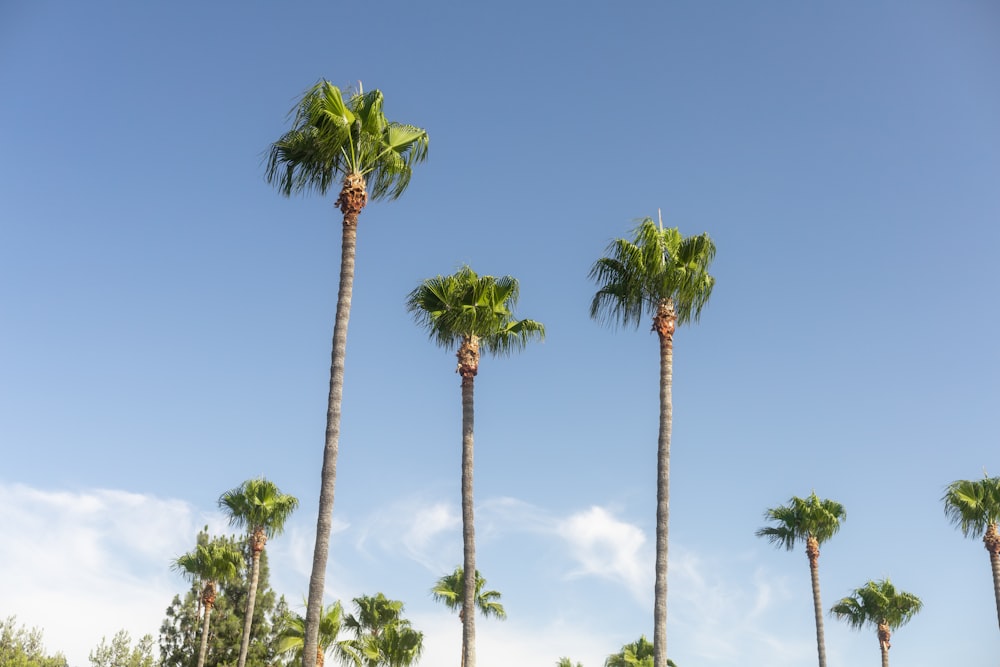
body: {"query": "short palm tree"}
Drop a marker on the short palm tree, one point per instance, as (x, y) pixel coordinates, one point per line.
(974, 506)
(812, 521)
(663, 275)
(878, 604)
(450, 590)
(382, 637)
(209, 565)
(639, 653)
(259, 507)
(292, 637)
(346, 139)
(471, 313)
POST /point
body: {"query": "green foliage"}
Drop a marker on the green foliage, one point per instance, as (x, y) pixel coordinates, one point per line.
(657, 266)
(292, 636)
(450, 587)
(973, 505)
(637, 654)
(258, 504)
(382, 636)
(465, 305)
(181, 628)
(334, 135)
(877, 602)
(121, 653)
(20, 647)
(802, 518)
(566, 662)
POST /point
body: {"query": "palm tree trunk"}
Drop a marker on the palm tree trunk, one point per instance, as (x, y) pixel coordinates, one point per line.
(883, 643)
(257, 539)
(352, 199)
(812, 551)
(209, 592)
(468, 525)
(664, 324)
(992, 541)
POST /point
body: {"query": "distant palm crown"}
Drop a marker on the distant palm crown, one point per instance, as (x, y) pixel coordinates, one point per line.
(802, 518)
(877, 602)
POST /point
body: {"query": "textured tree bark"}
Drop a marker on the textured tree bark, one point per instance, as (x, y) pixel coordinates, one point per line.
(257, 541)
(468, 366)
(350, 202)
(208, 599)
(883, 643)
(992, 542)
(664, 323)
(812, 551)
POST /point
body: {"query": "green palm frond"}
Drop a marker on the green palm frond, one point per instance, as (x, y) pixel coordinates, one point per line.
(973, 505)
(291, 639)
(258, 504)
(802, 518)
(449, 589)
(656, 266)
(215, 561)
(465, 304)
(334, 135)
(877, 602)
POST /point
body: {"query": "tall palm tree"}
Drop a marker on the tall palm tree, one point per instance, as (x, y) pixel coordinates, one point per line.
(879, 604)
(662, 274)
(471, 313)
(292, 636)
(812, 521)
(209, 565)
(974, 506)
(381, 635)
(345, 138)
(450, 590)
(259, 507)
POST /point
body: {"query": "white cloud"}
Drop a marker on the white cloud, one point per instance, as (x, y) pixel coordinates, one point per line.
(83, 565)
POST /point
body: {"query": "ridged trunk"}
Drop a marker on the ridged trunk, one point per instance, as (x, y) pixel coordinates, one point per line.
(468, 366)
(257, 541)
(883, 642)
(208, 601)
(812, 551)
(352, 199)
(664, 324)
(992, 542)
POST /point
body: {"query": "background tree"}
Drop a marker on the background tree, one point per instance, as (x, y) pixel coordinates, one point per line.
(812, 521)
(208, 565)
(471, 313)
(120, 652)
(640, 653)
(292, 637)
(21, 647)
(382, 636)
(880, 605)
(450, 590)
(974, 506)
(566, 662)
(664, 275)
(347, 138)
(259, 507)
(179, 641)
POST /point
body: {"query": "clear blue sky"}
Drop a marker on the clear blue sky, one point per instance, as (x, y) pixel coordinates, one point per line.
(165, 316)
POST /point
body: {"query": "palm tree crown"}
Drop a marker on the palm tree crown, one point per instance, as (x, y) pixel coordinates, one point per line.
(878, 604)
(640, 276)
(450, 587)
(258, 506)
(334, 136)
(973, 505)
(801, 519)
(212, 562)
(466, 306)
(292, 636)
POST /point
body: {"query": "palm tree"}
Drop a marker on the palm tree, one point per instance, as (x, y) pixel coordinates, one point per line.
(662, 274)
(209, 564)
(292, 636)
(639, 653)
(974, 506)
(812, 521)
(348, 139)
(566, 662)
(471, 312)
(879, 604)
(450, 589)
(260, 507)
(381, 635)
